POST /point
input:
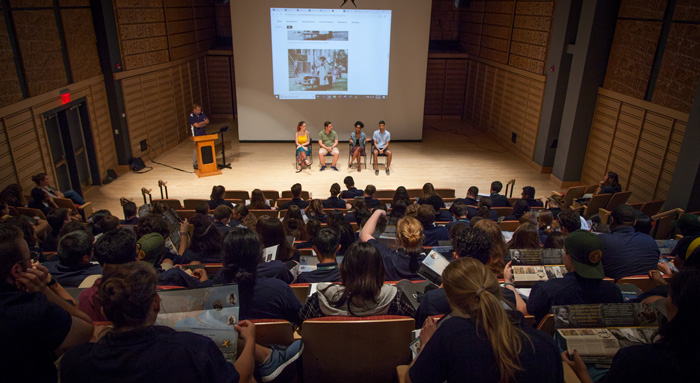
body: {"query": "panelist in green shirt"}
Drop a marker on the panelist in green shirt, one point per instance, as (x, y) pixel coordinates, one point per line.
(328, 140)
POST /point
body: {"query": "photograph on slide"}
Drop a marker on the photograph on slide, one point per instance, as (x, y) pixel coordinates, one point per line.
(317, 35)
(318, 69)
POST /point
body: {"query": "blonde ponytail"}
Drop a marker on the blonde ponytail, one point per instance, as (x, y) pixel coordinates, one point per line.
(473, 289)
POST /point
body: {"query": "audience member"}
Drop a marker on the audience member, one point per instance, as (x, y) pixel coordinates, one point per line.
(555, 240)
(222, 216)
(130, 214)
(370, 201)
(569, 221)
(398, 210)
(401, 194)
(520, 207)
(315, 211)
(41, 201)
(239, 214)
(22, 222)
(351, 191)
(433, 234)
(362, 291)
(642, 223)
(610, 184)
(544, 224)
(74, 259)
(437, 203)
(294, 225)
(312, 227)
(326, 246)
(528, 195)
(625, 252)
(296, 198)
(483, 210)
(427, 190)
(56, 220)
(202, 208)
(258, 201)
(333, 202)
(13, 195)
(402, 263)
(271, 231)
(472, 197)
(43, 181)
(38, 324)
(217, 197)
(525, 237)
(481, 341)
(498, 200)
(104, 225)
(205, 242)
(458, 210)
(498, 246)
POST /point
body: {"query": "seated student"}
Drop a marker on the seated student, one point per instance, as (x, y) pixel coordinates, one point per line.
(427, 191)
(525, 237)
(261, 297)
(56, 220)
(113, 248)
(402, 263)
(520, 207)
(437, 203)
(380, 144)
(104, 225)
(544, 224)
(336, 221)
(205, 242)
(398, 210)
(362, 291)
(238, 215)
(528, 195)
(74, 256)
(357, 205)
(203, 209)
(582, 284)
(472, 196)
(610, 184)
(258, 201)
(22, 222)
(569, 221)
(333, 202)
(498, 200)
(326, 246)
(499, 248)
(222, 216)
(130, 214)
(482, 342)
(296, 198)
(351, 191)
(38, 324)
(433, 234)
(157, 224)
(43, 181)
(466, 242)
(626, 252)
(13, 195)
(294, 224)
(685, 254)
(272, 233)
(555, 240)
(312, 227)
(217, 197)
(370, 201)
(401, 194)
(458, 210)
(673, 356)
(134, 349)
(41, 201)
(483, 210)
(315, 211)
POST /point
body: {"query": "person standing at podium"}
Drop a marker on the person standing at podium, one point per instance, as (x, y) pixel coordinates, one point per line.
(198, 122)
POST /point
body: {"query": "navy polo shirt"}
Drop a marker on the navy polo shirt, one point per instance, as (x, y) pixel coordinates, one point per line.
(473, 211)
(572, 289)
(434, 302)
(443, 216)
(626, 253)
(467, 201)
(461, 221)
(191, 255)
(460, 351)
(351, 193)
(72, 276)
(325, 272)
(433, 234)
(275, 269)
(397, 265)
(213, 204)
(334, 203)
(295, 201)
(533, 203)
(498, 200)
(193, 119)
(372, 203)
(222, 227)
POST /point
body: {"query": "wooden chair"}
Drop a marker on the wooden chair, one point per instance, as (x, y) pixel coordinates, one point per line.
(191, 204)
(569, 197)
(401, 372)
(288, 194)
(590, 189)
(384, 193)
(363, 359)
(530, 321)
(282, 201)
(513, 200)
(301, 290)
(637, 206)
(272, 195)
(273, 331)
(643, 282)
(503, 211)
(598, 201)
(445, 193)
(509, 225)
(172, 203)
(662, 222)
(237, 194)
(259, 213)
(414, 193)
(185, 213)
(85, 210)
(547, 324)
(652, 207)
(29, 212)
(618, 199)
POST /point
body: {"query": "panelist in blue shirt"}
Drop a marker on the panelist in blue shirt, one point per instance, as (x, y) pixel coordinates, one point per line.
(381, 139)
(198, 122)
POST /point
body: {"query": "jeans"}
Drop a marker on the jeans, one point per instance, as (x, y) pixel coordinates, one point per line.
(74, 196)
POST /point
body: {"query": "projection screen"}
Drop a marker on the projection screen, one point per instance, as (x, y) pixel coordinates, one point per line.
(309, 60)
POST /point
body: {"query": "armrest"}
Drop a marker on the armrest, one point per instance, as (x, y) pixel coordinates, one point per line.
(401, 372)
(556, 193)
(86, 210)
(604, 215)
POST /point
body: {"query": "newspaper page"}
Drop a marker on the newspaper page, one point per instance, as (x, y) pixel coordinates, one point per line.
(432, 266)
(537, 273)
(536, 256)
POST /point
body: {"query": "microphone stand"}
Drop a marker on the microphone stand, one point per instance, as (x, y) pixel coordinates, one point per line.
(223, 149)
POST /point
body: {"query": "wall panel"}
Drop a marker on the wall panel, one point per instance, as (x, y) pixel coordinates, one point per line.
(636, 139)
(220, 86)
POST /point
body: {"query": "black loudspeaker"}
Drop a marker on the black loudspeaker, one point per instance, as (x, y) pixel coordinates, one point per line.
(137, 164)
(112, 174)
(207, 155)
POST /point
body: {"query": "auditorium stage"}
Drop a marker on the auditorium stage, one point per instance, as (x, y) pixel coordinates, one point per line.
(446, 159)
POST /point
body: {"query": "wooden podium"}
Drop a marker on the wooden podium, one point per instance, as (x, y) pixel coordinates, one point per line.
(206, 155)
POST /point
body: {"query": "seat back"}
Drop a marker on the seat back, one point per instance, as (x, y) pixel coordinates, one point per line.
(172, 203)
(29, 212)
(643, 282)
(13, 211)
(273, 331)
(652, 207)
(663, 227)
(513, 200)
(509, 225)
(301, 291)
(185, 213)
(282, 201)
(445, 192)
(261, 212)
(384, 193)
(590, 189)
(571, 195)
(65, 203)
(191, 204)
(618, 199)
(414, 193)
(547, 324)
(237, 194)
(503, 211)
(288, 194)
(362, 359)
(599, 201)
(272, 195)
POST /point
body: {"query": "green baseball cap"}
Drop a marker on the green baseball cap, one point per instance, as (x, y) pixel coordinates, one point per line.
(150, 247)
(585, 250)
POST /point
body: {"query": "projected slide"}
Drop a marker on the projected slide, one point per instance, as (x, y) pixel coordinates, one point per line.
(330, 53)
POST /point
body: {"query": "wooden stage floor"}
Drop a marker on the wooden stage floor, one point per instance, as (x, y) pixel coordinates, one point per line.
(445, 158)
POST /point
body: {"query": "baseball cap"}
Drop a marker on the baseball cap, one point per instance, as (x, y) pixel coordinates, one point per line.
(586, 251)
(150, 247)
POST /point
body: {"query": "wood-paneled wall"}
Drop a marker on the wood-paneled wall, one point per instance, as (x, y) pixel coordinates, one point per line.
(444, 88)
(24, 149)
(157, 102)
(221, 85)
(502, 100)
(638, 140)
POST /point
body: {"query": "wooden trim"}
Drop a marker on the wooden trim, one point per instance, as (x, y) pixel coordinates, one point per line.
(448, 55)
(650, 106)
(157, 67)
(38, 140)
(636, 150)
(50, 99)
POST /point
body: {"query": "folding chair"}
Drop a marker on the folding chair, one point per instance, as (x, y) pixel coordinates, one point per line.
(509, 225)
(379, 157)
(191, 204)
(547, 324)
(652, 207)
(565, 200)
(598, 201)
(364, 156)
(29, 212)
(662, 222)
(237, 194)
(272, 195)
(618, 199)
